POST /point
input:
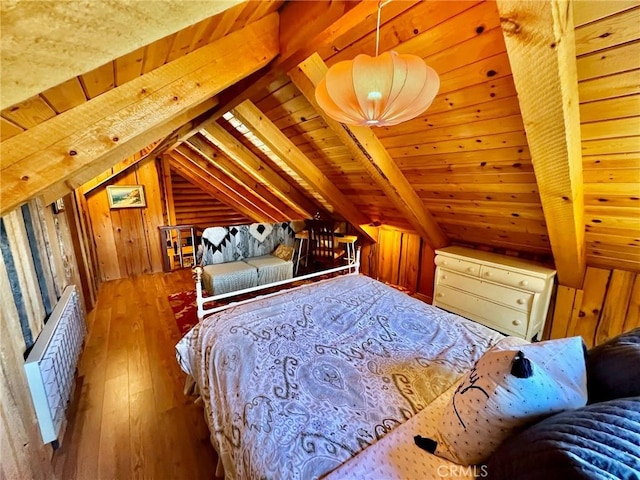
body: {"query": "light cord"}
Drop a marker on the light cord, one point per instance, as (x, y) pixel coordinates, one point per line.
(378, 27)
(380, 5)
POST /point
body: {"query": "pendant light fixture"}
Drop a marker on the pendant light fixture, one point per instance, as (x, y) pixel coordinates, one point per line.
(384, 90)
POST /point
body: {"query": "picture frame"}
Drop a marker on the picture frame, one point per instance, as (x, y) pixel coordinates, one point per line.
(126, 196)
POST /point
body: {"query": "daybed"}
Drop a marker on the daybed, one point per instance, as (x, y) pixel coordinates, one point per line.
(242, 256)
(337, 378)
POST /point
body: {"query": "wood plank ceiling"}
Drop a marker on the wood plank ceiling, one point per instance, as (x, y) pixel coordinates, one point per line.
(467, 157)
(608, 61)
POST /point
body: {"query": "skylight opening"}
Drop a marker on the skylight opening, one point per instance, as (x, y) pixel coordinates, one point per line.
(248, 134)
(259, 144)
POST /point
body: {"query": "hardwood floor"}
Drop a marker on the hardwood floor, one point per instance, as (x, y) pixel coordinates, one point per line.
(129, 418)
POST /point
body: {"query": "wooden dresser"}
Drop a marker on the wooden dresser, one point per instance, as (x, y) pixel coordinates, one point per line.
(504, 293)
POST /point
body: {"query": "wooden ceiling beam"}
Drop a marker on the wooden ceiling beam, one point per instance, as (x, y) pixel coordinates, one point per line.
(200, 144)
(208, 182)
(259, 169)
(184, 131)
(540, 42)
(167, 184)
(185, 169)
(54, 43)
(367, 149)
(117, 169)
(240, 190)
(266, 131)
(91, 170)
(57, 149)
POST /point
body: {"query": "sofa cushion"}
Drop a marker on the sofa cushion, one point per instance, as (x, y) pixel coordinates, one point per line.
(283, 252)
(228, 277)
(271, 269)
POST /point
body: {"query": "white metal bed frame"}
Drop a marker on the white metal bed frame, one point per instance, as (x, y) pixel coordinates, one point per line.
(353, 268)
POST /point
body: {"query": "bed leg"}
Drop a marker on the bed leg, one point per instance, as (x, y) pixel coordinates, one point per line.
(189, 386)
(219, 469)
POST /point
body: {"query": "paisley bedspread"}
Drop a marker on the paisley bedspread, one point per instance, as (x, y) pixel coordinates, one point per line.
(297, 384)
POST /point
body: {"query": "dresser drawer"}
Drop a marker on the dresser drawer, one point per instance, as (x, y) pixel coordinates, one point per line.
(458, 265)
(498, 294)
(503, 319)
(514, 279)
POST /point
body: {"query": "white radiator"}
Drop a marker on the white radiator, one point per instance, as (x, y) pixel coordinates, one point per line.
(51, 364)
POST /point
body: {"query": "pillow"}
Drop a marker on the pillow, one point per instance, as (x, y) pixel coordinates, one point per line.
(613, 368)
(509, 388)
(587, 443)
(283, 252)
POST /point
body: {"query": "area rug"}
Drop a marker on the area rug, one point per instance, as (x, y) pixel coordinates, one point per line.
(183, 305)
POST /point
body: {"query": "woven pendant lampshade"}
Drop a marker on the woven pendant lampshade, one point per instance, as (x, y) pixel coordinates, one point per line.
(378, 91)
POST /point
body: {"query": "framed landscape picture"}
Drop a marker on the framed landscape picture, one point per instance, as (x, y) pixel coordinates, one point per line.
(126, 196)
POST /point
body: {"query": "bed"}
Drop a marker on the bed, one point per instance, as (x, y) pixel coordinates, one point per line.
(298, 385)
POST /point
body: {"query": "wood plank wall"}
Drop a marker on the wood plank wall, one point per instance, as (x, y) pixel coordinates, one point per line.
(607, 305)
(193, 206)
(127, 239)
(400, 257)
(23, 453)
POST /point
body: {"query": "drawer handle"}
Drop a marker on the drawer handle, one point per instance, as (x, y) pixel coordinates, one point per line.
(524, 283)
(440, 295)
(516, 322)
(444, 277)
(470, 269)
(488, 274)
(521, 301)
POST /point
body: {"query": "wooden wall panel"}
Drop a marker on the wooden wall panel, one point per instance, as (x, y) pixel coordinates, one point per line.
(23, 453)
(195, 207)
(427, 275)
(606, 306)
(616, 303)
(47, 279)
(633, 312)
(402, 258)
(61, 233)
(126, 239)
(389, 251)
(25, 270)
(86, 271)
(409, 269)
(100, 221)
(152, 216)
